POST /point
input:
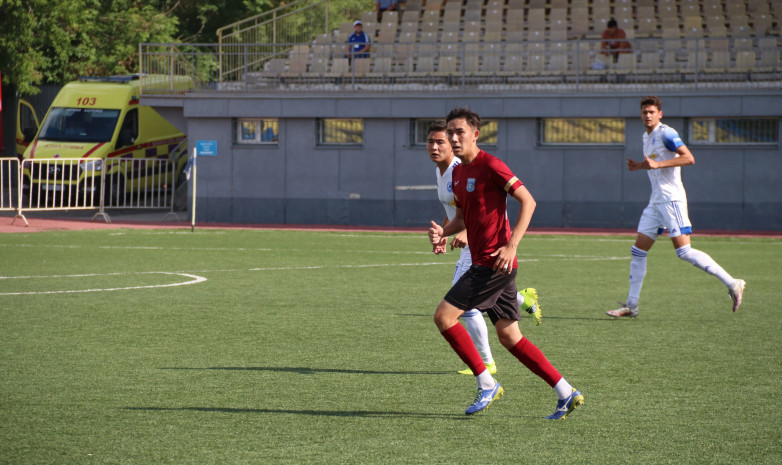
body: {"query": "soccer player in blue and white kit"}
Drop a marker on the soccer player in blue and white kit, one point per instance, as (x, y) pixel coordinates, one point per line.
(439, 150)
(664, 155)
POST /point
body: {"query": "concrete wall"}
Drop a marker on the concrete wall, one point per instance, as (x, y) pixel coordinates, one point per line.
(299, 182)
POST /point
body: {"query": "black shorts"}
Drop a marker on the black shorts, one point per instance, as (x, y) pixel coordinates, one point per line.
(482, 288)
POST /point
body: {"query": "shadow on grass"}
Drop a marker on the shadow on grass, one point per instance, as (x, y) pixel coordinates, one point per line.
(313, 371)
(318, 413)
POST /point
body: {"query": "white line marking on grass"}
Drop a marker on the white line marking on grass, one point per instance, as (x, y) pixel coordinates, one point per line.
(195, 280)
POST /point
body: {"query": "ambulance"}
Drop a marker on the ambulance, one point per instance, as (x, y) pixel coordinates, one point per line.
(96, 131)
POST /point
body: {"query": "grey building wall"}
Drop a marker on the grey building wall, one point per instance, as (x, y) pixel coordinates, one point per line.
(299, 182)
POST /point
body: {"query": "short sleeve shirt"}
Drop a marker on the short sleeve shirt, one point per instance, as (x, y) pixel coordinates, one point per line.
(660, 145)
(358, 42)
(481, 189)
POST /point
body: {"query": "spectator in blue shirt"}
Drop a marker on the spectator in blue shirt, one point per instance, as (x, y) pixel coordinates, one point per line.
(358, 42)
(384, 5)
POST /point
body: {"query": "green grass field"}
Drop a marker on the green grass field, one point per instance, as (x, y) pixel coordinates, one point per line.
(319, 347)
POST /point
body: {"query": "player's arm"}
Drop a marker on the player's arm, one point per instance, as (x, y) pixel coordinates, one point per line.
(437, 232)
(684, 158)
(507, 253)
(671, 140)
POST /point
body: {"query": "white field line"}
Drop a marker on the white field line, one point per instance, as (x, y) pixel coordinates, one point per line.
(195, 279)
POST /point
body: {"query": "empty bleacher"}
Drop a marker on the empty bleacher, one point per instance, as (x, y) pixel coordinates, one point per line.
(493, 41)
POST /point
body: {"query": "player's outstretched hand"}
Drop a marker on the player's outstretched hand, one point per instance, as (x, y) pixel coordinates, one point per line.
(440, 247)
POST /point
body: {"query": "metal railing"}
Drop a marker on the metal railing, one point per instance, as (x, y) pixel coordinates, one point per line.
(487, 66)
(9, 180)
(78, 184)
(247, 44)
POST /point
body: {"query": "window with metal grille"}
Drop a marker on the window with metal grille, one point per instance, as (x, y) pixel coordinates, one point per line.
(257, 131)
(582, 131)
(332, 131)
(760, 131)
(488, 130)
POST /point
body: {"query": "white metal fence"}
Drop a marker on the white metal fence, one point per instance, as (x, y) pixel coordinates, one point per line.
(79, 184)
(9, 179)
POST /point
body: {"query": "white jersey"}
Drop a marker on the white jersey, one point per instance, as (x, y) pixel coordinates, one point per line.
(445, 194)
(445, 189)
(661, 145)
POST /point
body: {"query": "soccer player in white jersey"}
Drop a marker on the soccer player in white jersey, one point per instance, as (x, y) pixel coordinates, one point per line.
(664, 155)
(440, 153)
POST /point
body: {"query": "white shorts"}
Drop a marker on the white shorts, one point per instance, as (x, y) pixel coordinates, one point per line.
(658, 217)
(462, 265)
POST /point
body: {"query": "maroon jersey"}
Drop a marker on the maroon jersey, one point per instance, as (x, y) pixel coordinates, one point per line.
(480, 189)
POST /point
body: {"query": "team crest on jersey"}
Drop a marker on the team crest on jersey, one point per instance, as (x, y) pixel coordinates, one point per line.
(470, 184)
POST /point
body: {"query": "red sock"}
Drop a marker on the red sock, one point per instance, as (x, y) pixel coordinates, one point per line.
(529, 354)
(462, 344)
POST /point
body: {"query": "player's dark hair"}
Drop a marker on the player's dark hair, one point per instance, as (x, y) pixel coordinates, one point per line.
(611, 23)
(436, 126)
(652, 100)
(472, 118)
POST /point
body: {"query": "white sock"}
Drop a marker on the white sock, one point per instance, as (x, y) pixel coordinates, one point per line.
(637, 274)
(485, 380)
(475, 325)
(703, 261)
(563, 388)
(519, 299)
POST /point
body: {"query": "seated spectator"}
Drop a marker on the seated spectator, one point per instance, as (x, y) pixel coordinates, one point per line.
(358, 42)
(612, 43)
(384, 5)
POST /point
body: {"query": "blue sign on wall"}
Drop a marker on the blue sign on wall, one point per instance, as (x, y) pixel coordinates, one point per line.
(206, 148)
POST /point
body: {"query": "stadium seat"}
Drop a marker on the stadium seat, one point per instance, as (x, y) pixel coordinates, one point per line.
(647, 22)
(452, 15)
(446, 65)
(434, 5)
(514, 20)
(536, 18)
(513, 58)
(318, 65)
(625, 64)
(768, 49)
(381, 67)
(275, 67)
(745, 61)
(410, 16)
(650, 61)
(387, 32)
(339, 67)
(535, 64)
(345, 29)
(369, 24)
(493, 19)
(761, 23)
(391, 17)
(361, 66)
(491, 53)
(579, 22)
(297, 60)
(623, 12)
(430, 22)
(689, 8)
(719, 61)
(558, 58)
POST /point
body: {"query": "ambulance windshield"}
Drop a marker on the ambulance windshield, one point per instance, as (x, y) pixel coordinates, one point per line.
(79, 124)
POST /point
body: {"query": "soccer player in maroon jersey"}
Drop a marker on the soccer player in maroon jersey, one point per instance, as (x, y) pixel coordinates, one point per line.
(481, 184)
